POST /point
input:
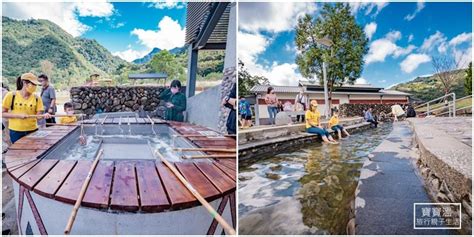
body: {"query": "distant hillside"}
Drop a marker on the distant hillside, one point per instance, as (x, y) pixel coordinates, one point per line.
(28, 43)
(428, 88)
(149, 56)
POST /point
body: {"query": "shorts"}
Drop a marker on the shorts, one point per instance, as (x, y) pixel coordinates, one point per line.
(246, 116)
(337, 127)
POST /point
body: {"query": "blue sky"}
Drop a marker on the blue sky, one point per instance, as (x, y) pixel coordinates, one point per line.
(127, 29)
(404, 37)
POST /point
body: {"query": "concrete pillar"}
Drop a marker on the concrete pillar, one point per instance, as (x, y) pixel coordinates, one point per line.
(192, 71)
(231, 50)
(257, 110)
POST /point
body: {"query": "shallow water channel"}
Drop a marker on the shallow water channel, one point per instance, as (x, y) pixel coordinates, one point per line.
(304, 191)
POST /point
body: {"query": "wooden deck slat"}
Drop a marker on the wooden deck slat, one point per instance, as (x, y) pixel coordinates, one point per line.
(98, 191)
(20, 146)
(229, 163)
(35, 174)
(69, 190)
(152, 193)
(178, 194)
(124, 189)
(141, 120)
(17, 173)
(229, 172)
(198, 180)
(53, 180)
(222, 182)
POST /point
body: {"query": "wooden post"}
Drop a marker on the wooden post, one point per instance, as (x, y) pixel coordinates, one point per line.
(198, 196)
(73, 215)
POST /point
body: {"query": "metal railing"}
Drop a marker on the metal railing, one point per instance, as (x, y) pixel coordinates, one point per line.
(435, 105)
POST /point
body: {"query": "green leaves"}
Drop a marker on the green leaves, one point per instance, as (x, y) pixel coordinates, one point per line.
(344, 58)
(468, 80)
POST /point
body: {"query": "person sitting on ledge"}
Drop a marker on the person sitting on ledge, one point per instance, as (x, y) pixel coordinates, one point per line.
(175, 102)
(334, 124)
(369, 118)
(313, 123)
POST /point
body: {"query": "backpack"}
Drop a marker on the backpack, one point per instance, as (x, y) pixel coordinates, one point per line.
(13, 99)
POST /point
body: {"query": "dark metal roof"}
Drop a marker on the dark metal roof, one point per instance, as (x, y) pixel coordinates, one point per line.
(207, 23)
(140, 76)
(262, 89)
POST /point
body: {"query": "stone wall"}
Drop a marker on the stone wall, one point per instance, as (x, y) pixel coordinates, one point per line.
(89, 100)
(227, 82)
(353, 110)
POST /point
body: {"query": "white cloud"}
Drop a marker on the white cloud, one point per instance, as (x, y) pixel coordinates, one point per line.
(463, 57)
(370, 29)
(381, 48)
(95, 9)
(250, 46)
(130, 54)
(272, 16)
(361, 81)
(461, 38)
(419, 7)
(285, 74)
(168, 36)
(413, 61)
(64, 14)
(410, 38)
(432, 41)
(167, 4)
(369, 7)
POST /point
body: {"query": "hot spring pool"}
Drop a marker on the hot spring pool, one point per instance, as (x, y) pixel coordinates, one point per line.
(137, 142)
(305, 191)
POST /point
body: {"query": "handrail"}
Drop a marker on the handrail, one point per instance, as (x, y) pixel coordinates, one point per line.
(451, 106)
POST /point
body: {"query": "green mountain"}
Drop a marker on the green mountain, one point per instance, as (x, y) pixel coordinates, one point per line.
(429, 87)
(41, 46)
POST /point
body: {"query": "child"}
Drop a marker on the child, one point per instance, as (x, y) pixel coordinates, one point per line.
(69, 109)
(334, 124)
(245, 113)
(313, 123)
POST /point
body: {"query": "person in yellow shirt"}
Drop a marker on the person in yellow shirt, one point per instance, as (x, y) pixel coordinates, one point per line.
(313, 123)
(69, 109)
(334, 124)
(20, 106)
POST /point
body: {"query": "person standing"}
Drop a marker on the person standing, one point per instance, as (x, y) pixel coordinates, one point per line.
(245, 113)
(301, 104)
(19, 106)
(175, 102)
(272, 104)
(230, 102)
(48, 95)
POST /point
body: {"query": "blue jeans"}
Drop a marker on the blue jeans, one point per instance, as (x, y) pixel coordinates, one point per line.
(272, 111)
(337, 127)
(316, 130)
(15, 135)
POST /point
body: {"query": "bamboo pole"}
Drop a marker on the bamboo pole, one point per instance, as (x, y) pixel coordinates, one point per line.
(209, 156)
(210, 136)
(73, 215)
(198, 196)
(206, 149)
(54, 116)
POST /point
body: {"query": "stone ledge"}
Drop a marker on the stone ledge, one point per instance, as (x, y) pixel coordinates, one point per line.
(445, 163)
(264, 133)
(269, 146)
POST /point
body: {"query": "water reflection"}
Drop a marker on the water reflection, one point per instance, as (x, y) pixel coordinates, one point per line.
(306, 191)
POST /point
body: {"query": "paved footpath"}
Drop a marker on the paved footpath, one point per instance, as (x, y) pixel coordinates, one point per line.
(389, 185)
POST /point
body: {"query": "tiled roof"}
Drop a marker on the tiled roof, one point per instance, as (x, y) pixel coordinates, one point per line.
(261, 89)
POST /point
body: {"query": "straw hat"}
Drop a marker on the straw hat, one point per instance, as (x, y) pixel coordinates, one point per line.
(30, 77)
